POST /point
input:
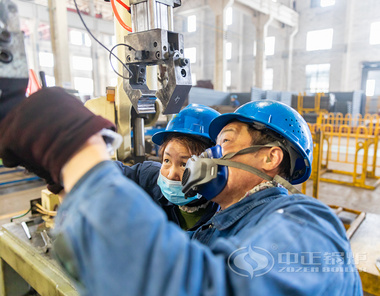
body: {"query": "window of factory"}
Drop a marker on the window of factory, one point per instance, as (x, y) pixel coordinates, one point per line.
(109, 40)
(317, 77)
(44, 31)
(82, 63)
(50, 80)
(46, 59)
(87, 40)
(191, 53)
(79, 38)
(228, 78)
(370, 87)
(84, 85)
(269, 45)
(191, 23)
(374, 37)
(113, 81)
(254, 48)
(229, 16)
(319, 39)
(268, 79)
(325, 3)
(228, 50)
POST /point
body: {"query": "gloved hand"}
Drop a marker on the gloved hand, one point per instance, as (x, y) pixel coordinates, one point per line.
(45, 130)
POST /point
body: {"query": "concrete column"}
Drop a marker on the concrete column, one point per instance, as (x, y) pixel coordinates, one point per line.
(94, 54)
(33, 42)
(60, 42)
(345, 80)
(262, 23)
(288, 77)
(241, 56)
(218, 8)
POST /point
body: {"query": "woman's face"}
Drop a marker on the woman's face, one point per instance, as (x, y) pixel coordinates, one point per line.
(174, 160)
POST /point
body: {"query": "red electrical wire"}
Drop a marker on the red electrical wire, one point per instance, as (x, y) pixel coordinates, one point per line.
(129, 29)
(124, 5)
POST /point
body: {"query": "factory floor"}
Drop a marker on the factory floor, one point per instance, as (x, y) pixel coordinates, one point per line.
(15, 199)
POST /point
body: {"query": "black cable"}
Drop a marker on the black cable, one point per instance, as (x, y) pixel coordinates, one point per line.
(112, 49)
(101, 44)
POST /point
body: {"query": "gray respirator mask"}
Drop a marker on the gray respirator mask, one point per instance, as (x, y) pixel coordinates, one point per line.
(207, 174)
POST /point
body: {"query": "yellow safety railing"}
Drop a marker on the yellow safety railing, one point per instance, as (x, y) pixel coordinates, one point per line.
(346, 151)
(371, 121)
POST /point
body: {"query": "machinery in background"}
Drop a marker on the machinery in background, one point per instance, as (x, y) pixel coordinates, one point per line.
(156, 75)
(311, 106)
(153, 43)
(13, 65)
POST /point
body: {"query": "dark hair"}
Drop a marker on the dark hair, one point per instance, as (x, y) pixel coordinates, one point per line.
(262, 138)
(194, 144)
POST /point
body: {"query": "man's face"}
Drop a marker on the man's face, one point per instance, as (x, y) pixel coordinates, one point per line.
(234, 137)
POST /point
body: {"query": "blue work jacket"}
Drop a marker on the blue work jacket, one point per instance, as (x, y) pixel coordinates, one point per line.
(145, 175)
(118, 242)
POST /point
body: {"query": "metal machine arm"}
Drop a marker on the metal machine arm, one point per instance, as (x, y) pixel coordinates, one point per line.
(13, 64)
(154, 43)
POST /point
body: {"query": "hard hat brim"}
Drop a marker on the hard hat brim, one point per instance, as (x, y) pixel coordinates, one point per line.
(160, 137)
(221, 121)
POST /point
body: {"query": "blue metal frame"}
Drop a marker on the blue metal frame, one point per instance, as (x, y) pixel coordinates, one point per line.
(20, 180)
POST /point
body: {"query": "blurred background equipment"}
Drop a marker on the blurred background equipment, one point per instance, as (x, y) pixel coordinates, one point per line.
(13, 64)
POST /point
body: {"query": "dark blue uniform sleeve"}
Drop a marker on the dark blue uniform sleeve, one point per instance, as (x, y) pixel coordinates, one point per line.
(145, 175)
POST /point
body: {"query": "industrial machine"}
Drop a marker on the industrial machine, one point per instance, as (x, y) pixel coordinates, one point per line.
(13, 64)
(153, 44)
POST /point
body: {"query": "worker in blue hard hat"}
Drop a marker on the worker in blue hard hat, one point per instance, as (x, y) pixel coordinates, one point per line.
(113, 240)
(186, 134)
(234, 101)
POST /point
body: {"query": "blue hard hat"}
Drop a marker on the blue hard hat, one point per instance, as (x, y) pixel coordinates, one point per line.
(284, 121)
(193, 120)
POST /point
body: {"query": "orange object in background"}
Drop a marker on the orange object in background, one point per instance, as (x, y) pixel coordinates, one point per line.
(33, 84)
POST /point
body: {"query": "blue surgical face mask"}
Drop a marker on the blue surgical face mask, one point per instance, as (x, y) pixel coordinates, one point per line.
(172, 190)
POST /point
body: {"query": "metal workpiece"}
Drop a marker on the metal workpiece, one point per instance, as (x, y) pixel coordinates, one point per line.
(13, 63)
(175, 92)
(163, 48)
(152, 47)
(138, 137)
(14, 74)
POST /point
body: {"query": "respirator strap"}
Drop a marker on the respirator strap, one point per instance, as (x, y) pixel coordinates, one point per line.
(253, 148)
(280, 180)
(256, 172)
(242, 166)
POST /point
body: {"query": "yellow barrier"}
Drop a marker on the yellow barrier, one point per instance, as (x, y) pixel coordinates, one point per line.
(371, 121)
(315, 109)
(346, 151)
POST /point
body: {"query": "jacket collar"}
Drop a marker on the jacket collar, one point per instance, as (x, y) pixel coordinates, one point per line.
(229, 216)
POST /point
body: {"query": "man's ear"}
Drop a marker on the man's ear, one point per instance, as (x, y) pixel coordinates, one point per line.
(274, 156)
